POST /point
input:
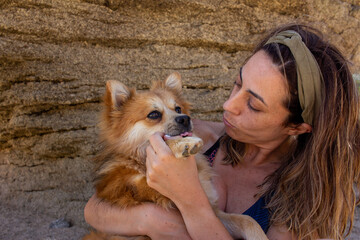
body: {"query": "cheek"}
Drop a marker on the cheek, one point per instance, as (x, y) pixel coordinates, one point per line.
(248, 120)
(141, 132)
(258, 122)
(273, 125)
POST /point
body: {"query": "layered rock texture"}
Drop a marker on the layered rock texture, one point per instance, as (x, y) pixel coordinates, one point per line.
(56, 55)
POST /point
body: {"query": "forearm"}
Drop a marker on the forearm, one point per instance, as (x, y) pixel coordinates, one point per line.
(200, 219)
(210, 227)
(112, 220)
(144, 219)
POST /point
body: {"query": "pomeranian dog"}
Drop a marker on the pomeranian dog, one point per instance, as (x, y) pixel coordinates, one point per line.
(128, 120)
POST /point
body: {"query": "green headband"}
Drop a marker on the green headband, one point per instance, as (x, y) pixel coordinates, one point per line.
(309, 76)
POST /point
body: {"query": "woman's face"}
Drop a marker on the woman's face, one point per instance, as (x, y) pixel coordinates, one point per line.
(255, 111)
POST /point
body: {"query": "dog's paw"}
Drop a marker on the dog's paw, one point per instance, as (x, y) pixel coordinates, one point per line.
(192, 148)
(185, 153)
(184, 147)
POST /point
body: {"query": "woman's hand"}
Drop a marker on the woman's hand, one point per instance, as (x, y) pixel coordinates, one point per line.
(174, 178)
(178, 180)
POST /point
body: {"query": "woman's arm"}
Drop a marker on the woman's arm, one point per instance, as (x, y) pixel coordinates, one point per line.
(178, 180)
(201, 221)
(145, 219)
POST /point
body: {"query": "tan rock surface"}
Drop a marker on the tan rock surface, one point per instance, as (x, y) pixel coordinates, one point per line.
(55, 57)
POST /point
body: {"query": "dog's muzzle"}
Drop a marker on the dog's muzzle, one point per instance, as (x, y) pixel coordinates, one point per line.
(180, 125)
(183, 121)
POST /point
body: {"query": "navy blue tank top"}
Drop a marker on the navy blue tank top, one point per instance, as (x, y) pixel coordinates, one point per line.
(258, 210)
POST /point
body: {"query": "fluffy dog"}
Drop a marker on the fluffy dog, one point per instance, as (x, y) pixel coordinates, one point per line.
(129, 119)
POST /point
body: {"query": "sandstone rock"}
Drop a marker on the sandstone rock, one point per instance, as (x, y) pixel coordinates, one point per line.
(55, 57)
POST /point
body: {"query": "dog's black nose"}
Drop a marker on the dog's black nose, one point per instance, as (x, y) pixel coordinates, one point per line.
(183, 120)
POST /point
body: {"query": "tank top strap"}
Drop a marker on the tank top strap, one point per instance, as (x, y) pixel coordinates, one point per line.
(211, 152)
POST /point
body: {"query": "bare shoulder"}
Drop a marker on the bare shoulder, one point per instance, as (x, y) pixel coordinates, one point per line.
(208, 131)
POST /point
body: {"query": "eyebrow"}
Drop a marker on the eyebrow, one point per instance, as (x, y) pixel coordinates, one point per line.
(251, 92)
(257, 96)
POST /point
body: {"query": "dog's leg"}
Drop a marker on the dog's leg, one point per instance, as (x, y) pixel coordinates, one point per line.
(241, 226)
(103, 236)
(184, 147)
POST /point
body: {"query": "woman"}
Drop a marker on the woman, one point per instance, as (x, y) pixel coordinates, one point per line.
(290, 151)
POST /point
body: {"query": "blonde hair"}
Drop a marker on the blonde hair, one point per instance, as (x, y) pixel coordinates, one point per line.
(313, 192)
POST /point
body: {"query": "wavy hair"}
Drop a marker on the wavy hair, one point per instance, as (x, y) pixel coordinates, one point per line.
(313, 192)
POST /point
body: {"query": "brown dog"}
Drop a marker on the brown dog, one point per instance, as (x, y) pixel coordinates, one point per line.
(129, 119)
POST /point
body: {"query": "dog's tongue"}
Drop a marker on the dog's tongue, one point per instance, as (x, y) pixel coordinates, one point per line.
(185, 134)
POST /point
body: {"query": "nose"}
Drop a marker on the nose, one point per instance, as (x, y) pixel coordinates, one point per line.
(234, 104)
(183, 120)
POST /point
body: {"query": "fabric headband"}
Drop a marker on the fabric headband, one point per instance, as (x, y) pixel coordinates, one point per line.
(309, 77)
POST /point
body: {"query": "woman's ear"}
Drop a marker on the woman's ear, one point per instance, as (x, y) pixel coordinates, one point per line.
(297, 129)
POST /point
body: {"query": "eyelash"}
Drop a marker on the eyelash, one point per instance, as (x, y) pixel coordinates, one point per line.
(154, 115)
(237, 84)
(251, 108)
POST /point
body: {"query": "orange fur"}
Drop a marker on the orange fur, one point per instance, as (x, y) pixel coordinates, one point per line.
(118, 187)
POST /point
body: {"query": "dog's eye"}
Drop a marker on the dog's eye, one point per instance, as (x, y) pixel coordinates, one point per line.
(178, 109)
(154, 115)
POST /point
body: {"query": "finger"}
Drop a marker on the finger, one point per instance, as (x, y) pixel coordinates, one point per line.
(150, 156)
(156, 137)
(150, 150)
(158, 144)
(150, 162)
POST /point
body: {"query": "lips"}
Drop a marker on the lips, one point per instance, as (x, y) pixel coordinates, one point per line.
(227, 123)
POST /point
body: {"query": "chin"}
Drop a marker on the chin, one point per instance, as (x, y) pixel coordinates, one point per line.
(236, 135)
(230, 132)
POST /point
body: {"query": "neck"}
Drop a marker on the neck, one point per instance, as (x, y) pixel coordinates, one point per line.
(260, 156)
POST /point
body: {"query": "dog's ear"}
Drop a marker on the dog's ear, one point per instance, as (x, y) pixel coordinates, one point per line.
(116, 94)
(173, 82)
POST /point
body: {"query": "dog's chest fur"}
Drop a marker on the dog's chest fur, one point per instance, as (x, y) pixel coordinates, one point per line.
(121, 180)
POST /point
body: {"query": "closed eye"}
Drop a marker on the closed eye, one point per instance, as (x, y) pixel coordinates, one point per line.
(251, 107)
(154, 115)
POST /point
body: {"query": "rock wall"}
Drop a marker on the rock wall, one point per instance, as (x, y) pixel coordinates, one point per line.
(55, 56)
